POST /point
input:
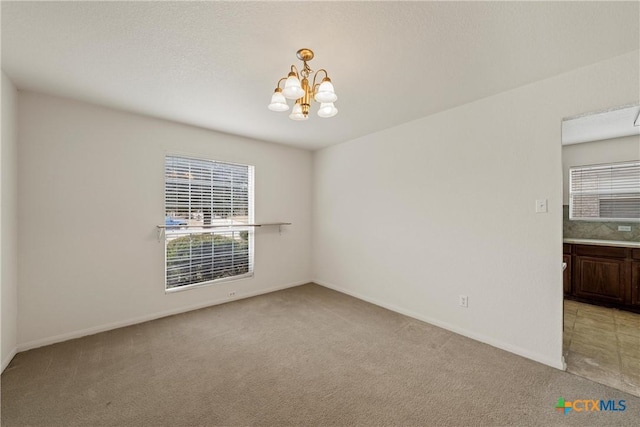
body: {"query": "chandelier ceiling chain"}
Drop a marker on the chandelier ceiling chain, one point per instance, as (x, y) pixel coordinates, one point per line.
(303, 92)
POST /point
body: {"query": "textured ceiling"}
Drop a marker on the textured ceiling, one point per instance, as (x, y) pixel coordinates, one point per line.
(215, 64)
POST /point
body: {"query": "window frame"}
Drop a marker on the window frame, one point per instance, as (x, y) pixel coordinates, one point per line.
(236, 228)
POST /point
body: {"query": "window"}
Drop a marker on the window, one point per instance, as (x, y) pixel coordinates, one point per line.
(608, 192)
(201, 193)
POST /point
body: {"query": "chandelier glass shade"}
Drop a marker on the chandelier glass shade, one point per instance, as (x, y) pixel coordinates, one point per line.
(296, 86)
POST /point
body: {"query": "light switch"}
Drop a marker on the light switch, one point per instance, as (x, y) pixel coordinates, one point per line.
(541, 206)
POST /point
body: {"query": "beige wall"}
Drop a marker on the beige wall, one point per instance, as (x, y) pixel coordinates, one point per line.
(91, 184)
(596, 152)
(8, 223)
(414, 216)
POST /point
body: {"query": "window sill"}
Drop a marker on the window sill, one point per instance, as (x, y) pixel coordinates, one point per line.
(209, 283)
(614, 220)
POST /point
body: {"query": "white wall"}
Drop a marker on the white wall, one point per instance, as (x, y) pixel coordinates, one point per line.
(8, 223)
(414, 216)
(595, 152)
(91, 185)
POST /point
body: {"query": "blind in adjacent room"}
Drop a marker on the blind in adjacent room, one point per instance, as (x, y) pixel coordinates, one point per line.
(609, 192)
(202, 192)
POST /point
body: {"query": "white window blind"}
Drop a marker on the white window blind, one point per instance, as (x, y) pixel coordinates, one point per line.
(202, 193)
(608, 192)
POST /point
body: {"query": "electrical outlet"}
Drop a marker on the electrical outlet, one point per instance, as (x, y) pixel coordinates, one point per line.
(624, 228)
(232, 294)
(464, 301)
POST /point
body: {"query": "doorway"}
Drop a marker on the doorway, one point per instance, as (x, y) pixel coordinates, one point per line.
(601, 247)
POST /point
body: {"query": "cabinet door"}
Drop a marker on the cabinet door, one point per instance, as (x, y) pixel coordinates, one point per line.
(600, 278)
(566, 276)
(635, 283)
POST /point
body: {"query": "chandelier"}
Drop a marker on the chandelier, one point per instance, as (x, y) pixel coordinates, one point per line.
(303, 92)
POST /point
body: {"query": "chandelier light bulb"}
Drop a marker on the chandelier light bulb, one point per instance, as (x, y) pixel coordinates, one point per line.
(292, 88)
(327, 109)
(297, 114)
(326, 92)
(278, 102)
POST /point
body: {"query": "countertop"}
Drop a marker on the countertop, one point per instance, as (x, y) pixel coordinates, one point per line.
(619, 243)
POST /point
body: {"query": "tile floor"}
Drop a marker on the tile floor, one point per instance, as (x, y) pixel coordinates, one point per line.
(603, 345)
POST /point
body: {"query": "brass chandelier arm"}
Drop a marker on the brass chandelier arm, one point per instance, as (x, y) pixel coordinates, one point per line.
(295, 70)
(316, 75)
(278, 85)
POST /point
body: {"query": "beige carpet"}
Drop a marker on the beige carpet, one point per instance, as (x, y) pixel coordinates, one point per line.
(302, 356)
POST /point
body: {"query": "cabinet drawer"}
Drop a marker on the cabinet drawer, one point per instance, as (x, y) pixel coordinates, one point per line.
(635, 254)
(601, 251)
(566, 249)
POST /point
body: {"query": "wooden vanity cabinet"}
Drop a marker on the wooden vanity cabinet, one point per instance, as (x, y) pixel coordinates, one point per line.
(608, 275)
(566, 275)
(635, 278)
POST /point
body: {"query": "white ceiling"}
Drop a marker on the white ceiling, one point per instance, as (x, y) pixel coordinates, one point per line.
(613, 123)
(215, 64)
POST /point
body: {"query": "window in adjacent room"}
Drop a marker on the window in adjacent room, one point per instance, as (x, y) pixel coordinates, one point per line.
(201, 193)
(609, 192)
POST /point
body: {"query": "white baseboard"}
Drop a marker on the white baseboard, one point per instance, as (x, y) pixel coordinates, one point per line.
(7, 360)
(120, 324)
(558, 364)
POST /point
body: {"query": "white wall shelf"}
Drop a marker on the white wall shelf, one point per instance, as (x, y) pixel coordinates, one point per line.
(195, 229)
